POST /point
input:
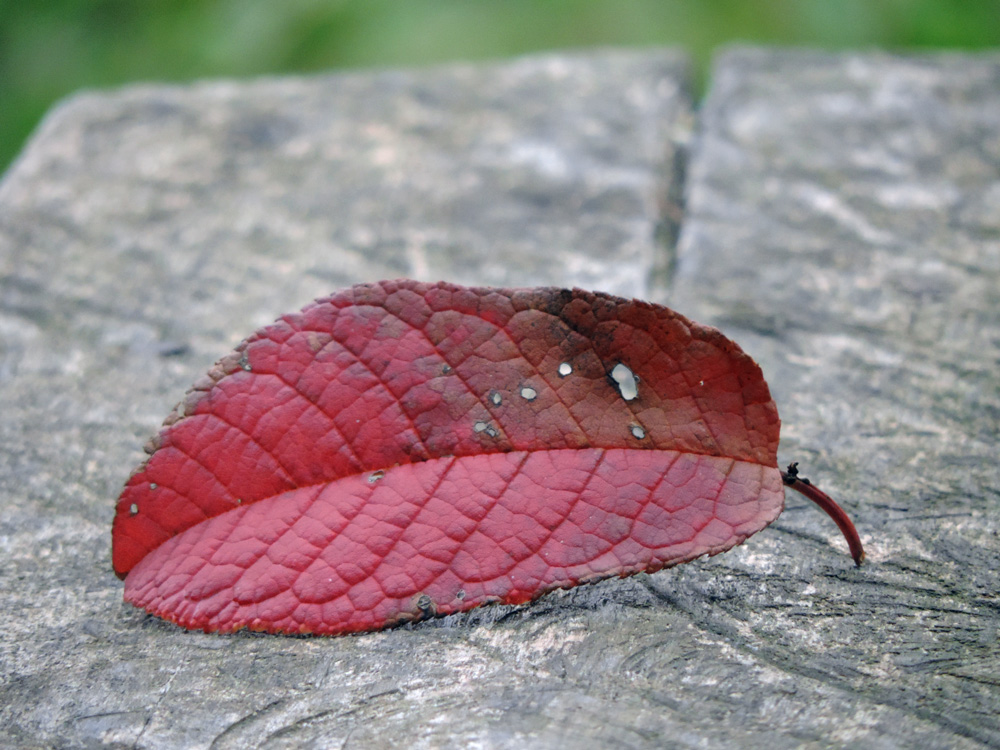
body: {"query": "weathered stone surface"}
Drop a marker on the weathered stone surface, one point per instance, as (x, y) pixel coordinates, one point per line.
(843, 223)
(144, 232)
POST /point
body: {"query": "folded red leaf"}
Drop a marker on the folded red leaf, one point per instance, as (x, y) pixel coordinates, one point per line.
(403, 449)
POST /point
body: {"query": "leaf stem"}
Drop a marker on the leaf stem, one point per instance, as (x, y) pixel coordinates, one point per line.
(792, 479)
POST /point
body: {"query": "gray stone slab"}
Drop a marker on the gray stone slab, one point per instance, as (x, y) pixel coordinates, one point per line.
(843, 223)
(144, 232)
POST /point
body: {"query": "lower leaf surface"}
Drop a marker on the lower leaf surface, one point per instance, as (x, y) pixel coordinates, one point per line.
(445, 535)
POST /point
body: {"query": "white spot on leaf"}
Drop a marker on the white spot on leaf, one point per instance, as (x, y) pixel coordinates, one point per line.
(496, 398)
(528, 393)
(637, 432)
(627, 382)
(565, 369)
(487, 428)
(375, 476)
(133, 509)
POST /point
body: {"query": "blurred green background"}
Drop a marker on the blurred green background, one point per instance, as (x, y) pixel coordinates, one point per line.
(49, 48)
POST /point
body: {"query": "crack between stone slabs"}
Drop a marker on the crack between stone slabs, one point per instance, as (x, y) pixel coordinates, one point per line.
(670, 200)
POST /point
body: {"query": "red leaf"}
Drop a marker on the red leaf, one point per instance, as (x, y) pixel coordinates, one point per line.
(403, 449)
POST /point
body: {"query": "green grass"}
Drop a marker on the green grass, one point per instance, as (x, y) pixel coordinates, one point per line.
(49, 48)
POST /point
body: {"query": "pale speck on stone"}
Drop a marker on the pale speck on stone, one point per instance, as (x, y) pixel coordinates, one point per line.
(496, 398)
(628, 383)
(565, 369)
(528, 393)
(637, 431)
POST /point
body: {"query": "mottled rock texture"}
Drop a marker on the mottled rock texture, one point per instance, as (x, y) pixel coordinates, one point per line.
(841, 223)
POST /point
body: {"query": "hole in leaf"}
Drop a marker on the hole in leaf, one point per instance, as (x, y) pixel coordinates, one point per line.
(627, 382)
